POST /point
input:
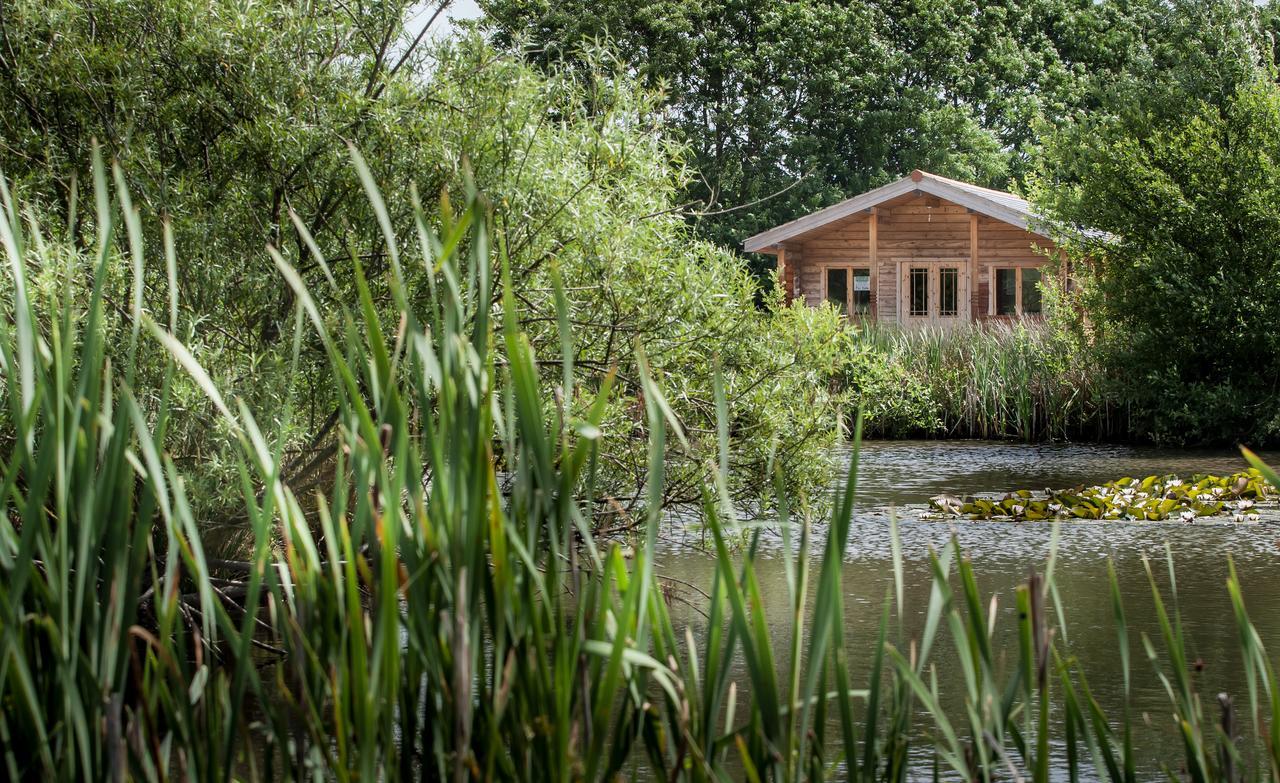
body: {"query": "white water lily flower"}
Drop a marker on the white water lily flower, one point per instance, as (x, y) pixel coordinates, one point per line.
(1188, 516)
(1174, 483)
(1244, 504)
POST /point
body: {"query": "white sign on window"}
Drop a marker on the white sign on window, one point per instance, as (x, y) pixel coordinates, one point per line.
(861, 283)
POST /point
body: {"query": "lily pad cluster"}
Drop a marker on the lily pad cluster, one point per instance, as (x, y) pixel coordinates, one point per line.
(1151, 499)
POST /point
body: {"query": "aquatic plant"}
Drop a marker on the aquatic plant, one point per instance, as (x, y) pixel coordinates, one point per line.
(442, 608)
(1022, 380)
(1151, 499)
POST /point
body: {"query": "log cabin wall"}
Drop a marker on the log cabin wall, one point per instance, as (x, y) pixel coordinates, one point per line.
(1003, 245)
(920, 228)
(845, 244)
(916, 228)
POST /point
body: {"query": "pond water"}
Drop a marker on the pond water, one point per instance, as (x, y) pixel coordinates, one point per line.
(898, 478)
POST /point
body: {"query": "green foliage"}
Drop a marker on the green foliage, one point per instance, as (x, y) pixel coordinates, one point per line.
(894, 399)
(451, 615)
(1152, 499)
(1023, 380)
(1183, 172)
(792, 105)
(75, 517)
(230, 123)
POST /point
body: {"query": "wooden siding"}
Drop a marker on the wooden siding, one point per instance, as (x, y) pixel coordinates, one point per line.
(914, 228)
(1003, 245)
(847, 244)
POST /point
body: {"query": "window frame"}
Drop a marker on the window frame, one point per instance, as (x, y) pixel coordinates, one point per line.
(992, 293)
(850, 268)
(936, 273)
(923, 272)
(955, 291)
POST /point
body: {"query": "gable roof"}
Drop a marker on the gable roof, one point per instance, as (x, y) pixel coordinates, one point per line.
(992, 203)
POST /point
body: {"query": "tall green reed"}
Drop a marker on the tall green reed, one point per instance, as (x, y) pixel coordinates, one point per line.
(1003, 380)
(444, 609)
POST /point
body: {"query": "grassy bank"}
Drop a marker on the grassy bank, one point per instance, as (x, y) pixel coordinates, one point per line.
(1005, 380)
(440, 608)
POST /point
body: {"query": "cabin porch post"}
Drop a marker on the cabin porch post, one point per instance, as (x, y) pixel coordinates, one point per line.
(784, 276)
(974, 304)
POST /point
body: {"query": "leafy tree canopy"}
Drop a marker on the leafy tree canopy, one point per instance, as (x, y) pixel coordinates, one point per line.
(1181, 168)
(232, 121)
(820, 100)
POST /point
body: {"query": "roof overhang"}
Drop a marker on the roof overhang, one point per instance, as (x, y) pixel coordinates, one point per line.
(973, 198)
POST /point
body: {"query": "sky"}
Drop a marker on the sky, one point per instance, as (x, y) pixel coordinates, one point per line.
(422, 11)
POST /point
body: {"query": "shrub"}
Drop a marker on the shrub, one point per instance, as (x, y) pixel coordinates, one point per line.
(1180, 172)
(1023, 380)
(580, 186)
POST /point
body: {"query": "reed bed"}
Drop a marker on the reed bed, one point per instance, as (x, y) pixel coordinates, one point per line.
(1017, 379)
(444, 610)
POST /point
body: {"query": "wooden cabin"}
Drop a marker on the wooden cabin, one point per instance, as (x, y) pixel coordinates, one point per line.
(923, 250)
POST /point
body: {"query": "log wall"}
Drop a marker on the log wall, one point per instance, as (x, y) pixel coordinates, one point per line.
(916, 228)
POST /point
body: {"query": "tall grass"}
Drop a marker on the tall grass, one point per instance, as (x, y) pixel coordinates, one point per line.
(443, 610)
(1019, 380)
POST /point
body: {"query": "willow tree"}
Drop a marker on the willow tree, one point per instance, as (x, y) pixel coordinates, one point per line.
(232, 124)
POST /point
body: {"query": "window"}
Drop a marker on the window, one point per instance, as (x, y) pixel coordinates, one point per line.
(862, 292)
(1031, 292)
(1017, 291)
(849, 289)
(1006, 292)
(838, 288)
(948, 291)
(918, 289)
(933, 291)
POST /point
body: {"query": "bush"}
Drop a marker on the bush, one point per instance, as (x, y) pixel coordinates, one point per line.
(1181, 172)
(895, 398)
(230, 126)
(1025, 380)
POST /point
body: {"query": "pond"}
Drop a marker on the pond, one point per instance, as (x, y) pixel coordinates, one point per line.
(898, 478)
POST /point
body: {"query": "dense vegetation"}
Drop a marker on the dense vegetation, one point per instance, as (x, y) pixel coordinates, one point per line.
(1152, 122)
(814, 101)
(1179, 296)
(437, 615)
(302, 482)
(1015, 380)
(231, 124)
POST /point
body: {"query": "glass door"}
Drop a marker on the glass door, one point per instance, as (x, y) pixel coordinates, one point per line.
(934, 293)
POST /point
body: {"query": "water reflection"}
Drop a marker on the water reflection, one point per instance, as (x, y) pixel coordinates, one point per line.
(898, 478)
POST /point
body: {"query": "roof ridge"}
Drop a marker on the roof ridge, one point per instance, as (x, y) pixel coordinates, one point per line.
(999, 204)
(971, 186)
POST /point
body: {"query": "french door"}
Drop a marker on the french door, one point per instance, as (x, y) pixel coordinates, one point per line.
(933, 293)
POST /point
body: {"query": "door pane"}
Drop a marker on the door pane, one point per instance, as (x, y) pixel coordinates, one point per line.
(918, 286)
(1006, 292)
(1031, 292)
(862, 292)
(838, 288)
(948, 291)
